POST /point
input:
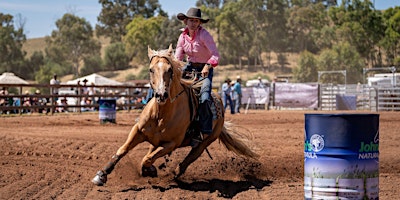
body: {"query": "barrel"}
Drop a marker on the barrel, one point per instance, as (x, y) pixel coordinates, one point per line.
(341, 156)
(107, 110)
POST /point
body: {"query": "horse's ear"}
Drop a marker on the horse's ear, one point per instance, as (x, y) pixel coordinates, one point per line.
(150, 52)
(170, 50)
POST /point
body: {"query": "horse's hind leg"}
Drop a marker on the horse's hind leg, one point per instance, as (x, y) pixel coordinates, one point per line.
(133, 139)
(196, 152)
(154, 153)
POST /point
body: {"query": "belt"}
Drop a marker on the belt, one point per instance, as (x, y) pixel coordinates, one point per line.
(197, 64)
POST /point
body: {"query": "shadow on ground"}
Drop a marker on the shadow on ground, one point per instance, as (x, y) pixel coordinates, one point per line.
(226, 188)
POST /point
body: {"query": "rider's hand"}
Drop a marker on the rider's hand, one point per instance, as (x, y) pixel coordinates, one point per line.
(206, 70)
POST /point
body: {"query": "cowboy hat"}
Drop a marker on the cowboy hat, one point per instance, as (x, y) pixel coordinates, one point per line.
(192, 13)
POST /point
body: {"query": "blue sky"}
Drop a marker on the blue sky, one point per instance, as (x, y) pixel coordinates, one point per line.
(40, 15)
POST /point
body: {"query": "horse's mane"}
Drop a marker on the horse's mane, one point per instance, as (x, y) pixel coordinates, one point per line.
(176, 65)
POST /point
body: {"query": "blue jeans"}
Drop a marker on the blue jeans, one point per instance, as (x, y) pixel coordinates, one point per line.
(204, 110)
(227, 99)
(238, 102)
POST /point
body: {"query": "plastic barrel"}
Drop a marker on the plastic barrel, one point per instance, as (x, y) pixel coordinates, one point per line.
(341, 156)
(107, 110)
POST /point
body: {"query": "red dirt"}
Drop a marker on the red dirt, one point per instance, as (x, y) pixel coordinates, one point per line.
(55, 157)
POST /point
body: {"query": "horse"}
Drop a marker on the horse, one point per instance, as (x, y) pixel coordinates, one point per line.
(166, 119)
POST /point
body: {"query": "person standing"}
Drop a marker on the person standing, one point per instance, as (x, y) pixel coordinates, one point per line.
(201, 52)
(54, 90)
(237, 94)
(226, 95)
(260, 83)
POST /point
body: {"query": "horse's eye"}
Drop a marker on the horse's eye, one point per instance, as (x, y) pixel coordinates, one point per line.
(151, 70)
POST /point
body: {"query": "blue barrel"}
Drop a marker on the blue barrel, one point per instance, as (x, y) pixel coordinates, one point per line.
(341, 156)
(107, 110)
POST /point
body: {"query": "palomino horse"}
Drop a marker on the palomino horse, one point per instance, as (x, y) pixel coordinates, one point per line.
(166, 118)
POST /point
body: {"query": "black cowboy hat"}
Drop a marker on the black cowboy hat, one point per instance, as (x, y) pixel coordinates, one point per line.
(192, 13)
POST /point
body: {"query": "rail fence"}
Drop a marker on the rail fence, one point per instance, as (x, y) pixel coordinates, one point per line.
(46, 101)
(363, 97)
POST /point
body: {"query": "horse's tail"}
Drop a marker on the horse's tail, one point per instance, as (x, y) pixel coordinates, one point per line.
(237, 142)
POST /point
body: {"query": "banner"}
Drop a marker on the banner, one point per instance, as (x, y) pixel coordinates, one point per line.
(256, 95)
(296, 95)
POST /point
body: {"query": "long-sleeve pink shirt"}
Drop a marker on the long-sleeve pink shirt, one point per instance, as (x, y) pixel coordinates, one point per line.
(201, 48)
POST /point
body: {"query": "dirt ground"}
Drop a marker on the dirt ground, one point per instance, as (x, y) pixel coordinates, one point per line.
(55, 157)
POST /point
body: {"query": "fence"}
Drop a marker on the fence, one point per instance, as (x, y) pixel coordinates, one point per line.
(367, 97)
(131, 97)
(127, 97)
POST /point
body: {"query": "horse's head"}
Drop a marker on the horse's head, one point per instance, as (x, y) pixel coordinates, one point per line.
(164, 70)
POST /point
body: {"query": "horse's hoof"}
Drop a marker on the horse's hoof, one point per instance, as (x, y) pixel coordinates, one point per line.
(149, 171)
(100, 179)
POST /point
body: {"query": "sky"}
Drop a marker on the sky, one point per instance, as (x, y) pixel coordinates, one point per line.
(40, 15)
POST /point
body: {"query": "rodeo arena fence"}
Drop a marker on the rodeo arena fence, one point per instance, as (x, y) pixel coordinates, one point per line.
(69, 98)
(314, 96)
(278, 96)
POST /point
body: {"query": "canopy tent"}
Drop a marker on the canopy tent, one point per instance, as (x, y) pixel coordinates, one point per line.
(255, 82)
(11, 78)
(94, 79)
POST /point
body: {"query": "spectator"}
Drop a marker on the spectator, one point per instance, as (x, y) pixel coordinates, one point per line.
(86, 104)
(237, 94)
(54, 89)
(226, 95)
(260, 83)
(27, 101)
(62, 106)
(3, 100)
(37, 100)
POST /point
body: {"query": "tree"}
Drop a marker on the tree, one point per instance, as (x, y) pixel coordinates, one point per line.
(33, 64)
(72, 42)
(115, 15)
(308, 68)
(92, 64)
(115, 57)
(391, 41)
(342, 56)
(360, 25)
(12, 39)
(305, 24)
(141, 34)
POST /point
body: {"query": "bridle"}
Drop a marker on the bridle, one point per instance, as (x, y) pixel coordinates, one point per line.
(170, 78)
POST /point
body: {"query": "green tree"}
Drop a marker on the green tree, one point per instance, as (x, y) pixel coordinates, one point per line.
(236, 34)
(91, 65)
(12, 39)
(141, 33)
(308, 68)
(115, 57)
(115, 15)
(72, 42)
(361, 25)
(305, 24)
(33, 64)
(342, 56)
(391, 41)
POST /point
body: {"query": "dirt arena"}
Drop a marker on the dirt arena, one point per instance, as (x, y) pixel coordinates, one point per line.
(55, 157)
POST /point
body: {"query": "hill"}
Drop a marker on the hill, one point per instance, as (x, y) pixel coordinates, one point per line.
(220, 73)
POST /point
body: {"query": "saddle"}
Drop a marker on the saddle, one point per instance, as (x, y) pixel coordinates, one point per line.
(216, 107)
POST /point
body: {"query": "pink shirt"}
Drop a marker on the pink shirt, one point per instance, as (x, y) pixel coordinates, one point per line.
(200, 48)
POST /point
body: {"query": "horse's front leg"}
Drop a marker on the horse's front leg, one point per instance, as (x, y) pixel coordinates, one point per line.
(134, 138)
(148, 168)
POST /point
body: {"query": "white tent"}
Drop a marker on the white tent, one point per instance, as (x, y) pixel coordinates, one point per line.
(254, 82)
(95, 79)
(11, 78)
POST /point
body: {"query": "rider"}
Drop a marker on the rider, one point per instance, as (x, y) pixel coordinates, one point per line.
(202, 55)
